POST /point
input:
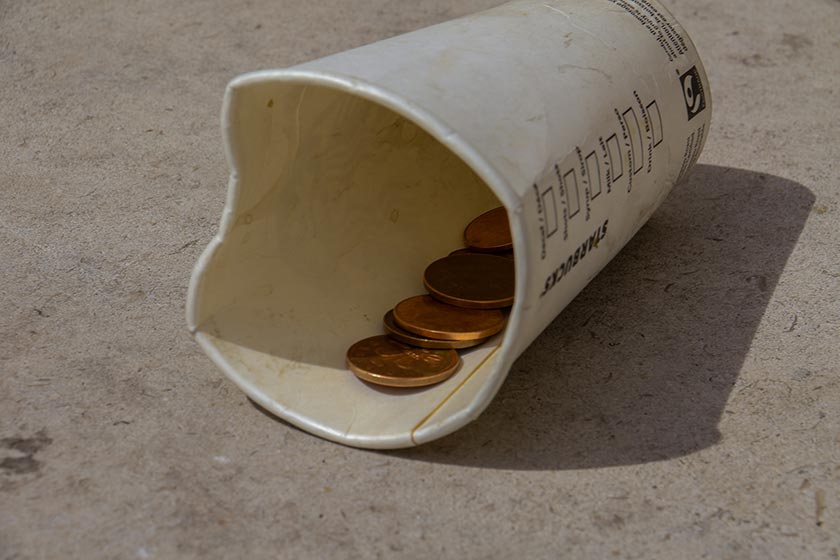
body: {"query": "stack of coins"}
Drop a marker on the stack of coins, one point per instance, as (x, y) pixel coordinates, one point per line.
(469, 293)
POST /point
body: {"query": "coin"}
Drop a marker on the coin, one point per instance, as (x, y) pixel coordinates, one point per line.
(489, 232)
(426, 316)
(467, 251)
(464, 251)
(385, 361)
(477, 280)
(406, 337)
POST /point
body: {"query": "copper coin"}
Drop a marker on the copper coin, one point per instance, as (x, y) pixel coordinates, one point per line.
(426, 316)
(464, 251)
(384, 361)
(406, 337)
(490, 232)
(467, 251)
(478, 280)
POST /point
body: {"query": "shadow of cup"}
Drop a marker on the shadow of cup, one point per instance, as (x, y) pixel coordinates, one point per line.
(640, 365)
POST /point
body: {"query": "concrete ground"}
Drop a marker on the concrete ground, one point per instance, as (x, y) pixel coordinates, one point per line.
(685, 405)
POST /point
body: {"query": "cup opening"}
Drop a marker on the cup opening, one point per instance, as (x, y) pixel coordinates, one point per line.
(338, 205)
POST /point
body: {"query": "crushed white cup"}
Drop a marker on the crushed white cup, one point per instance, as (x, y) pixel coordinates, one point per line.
(350, 174)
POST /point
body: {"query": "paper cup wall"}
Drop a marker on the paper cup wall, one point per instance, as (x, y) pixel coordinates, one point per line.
(351, 173)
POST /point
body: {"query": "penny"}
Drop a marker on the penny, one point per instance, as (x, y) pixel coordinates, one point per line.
(406, 337)
(464, 251)
(468, 251)
(478, 280)
(385, 361)
(489, 232)
(428, 317)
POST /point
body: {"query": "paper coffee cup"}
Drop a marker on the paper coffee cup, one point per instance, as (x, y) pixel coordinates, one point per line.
(350, 174)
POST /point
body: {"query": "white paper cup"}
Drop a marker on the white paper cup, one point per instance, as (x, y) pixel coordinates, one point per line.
(352, 173)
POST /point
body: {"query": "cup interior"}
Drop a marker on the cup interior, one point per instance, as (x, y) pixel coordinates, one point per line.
(337, 205)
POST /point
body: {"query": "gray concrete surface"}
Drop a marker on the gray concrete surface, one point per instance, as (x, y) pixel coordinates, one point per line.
(684, 406)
